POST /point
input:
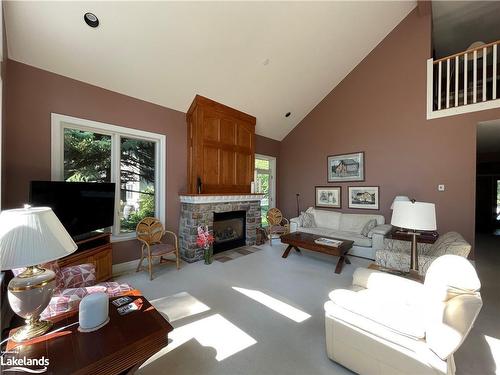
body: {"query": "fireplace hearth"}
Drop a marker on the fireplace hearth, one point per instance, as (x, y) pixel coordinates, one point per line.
(229, 230)
(231, 218)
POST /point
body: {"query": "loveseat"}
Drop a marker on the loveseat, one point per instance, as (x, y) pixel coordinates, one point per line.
(386, 324)
(396, 254)
(346, 227)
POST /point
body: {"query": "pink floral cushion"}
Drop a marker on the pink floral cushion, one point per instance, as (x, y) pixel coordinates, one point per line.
(79, 276)
(69, 299)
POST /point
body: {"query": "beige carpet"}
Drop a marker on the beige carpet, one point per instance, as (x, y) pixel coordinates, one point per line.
(261, 314)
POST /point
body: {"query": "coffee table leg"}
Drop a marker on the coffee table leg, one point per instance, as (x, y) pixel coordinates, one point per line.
(340, 263)
(287, 251)
(297, 249)
(347, 260)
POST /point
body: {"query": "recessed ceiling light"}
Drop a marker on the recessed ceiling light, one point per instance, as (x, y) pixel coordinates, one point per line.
(265, 62)
(91, 19)
(288, 114)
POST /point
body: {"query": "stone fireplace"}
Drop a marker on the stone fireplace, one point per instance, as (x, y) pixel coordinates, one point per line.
(232, 219)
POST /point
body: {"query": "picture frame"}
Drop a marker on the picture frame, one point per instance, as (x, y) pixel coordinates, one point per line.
(346, 167)
(364, 197)
(328, 196)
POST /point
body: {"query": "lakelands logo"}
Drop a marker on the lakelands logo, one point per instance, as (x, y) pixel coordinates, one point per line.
(23, 364)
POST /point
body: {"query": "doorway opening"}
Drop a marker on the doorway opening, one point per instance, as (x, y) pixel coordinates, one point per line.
(265, 183)
(488, 178)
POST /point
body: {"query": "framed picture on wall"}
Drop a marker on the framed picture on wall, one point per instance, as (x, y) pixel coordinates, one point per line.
(365, 197)
(346, 167)
(328, 196)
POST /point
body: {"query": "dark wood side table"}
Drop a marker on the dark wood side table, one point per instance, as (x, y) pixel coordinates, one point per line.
(424, 237)
(123, 344)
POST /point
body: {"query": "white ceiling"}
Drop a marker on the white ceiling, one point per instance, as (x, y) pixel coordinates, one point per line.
(166, 52)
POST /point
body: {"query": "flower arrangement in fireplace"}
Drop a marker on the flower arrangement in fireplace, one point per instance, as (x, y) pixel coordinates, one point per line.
(204, 240)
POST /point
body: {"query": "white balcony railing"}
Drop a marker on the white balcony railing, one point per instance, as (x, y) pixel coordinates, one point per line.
(465, 82)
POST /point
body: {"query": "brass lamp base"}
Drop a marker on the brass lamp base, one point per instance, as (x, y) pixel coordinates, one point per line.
(32, 329)
(29, 294)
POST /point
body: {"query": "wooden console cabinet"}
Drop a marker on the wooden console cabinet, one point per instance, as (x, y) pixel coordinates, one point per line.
(221, 148)
(96, 250)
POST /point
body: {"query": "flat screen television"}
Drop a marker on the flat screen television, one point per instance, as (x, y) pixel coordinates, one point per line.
(82, 207)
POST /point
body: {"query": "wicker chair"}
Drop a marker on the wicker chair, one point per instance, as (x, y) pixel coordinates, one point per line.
(150, 233)
(278, 225)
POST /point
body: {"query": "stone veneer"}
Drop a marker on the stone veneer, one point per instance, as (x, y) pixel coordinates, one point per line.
(199, 210)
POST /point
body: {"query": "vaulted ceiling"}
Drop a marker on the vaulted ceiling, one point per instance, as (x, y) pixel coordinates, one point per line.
(264, 58)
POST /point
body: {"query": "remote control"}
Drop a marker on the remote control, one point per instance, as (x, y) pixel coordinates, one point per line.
(133, 306)
(121, 301)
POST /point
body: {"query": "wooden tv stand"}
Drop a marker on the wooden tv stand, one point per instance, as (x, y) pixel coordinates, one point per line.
(96, 250)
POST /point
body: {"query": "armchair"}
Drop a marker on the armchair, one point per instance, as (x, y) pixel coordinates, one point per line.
(278, 225)
(72, 284)
(395, 254)
(389, 324)
(151, 235)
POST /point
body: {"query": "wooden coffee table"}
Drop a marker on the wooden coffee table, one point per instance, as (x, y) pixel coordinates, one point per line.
(306, 241)
(121, 345)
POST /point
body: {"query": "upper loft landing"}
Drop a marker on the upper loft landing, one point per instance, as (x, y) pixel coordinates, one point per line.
(464, 82)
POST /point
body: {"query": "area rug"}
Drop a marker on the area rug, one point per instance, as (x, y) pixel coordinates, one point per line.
(228, 255)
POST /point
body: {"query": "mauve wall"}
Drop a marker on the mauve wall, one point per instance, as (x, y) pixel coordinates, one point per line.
(380, 108)
(33, 94)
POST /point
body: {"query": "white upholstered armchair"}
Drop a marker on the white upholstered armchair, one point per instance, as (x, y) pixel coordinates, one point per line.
(385, 324)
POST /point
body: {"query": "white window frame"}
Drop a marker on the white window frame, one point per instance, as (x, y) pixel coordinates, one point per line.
(272, 173)
(60, 122)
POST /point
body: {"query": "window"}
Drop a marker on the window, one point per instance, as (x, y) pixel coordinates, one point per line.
(265, 183)
(89, 151)
(498, 200)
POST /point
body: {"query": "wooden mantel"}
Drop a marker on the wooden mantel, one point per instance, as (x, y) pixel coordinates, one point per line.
(221, 148)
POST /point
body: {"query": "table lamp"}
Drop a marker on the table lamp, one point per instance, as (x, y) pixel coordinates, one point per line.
(28, 237)
(414, 216)
(399, 198)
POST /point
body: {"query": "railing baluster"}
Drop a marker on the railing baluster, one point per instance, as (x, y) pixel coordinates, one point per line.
(439, 84)
(484, 74)
(465, 79)
(494, 72)
(457, 72)
(474, 79)
(448, 83)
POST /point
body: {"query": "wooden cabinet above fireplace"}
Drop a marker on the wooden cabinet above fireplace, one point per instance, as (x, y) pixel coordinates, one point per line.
(221, 148)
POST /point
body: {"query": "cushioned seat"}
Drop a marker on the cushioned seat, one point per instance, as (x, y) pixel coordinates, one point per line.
(162, 248)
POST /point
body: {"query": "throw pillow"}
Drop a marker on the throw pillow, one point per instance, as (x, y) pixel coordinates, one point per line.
(368, 227)
(307, 220)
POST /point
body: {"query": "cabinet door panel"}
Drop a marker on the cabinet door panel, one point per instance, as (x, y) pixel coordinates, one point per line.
(211, 168)
(245, 136)
(243, 166)
(211, 126)
(227, 130)
(228, 169)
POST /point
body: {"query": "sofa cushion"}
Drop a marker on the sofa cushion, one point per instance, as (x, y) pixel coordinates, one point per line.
(396, 315)
(326, 219)
(307, 220)
(318, 231)
(368, 227)
(353, 223)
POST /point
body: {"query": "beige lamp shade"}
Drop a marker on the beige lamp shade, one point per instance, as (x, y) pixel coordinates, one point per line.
(399, 198)
(31, 236)
(414, 215)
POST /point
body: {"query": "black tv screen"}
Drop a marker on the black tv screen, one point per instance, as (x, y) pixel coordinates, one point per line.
(82, 207)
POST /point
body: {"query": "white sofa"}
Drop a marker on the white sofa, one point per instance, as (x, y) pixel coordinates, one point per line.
(347, 227)
(385, 324)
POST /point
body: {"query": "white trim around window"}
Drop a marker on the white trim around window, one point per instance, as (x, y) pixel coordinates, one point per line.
(272, 173)
(60, 122)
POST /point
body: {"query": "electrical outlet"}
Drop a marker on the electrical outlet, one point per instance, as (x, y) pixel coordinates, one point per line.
(441, 187)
